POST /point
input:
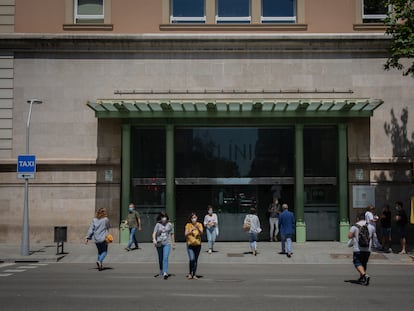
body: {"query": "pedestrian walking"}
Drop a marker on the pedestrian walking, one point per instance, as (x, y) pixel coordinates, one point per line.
(193, 232)
(273, 212)
(401, 220)
(133, 220)
(98, 231)
(360, 236)
(251, 224)
(287, 230)
(371, 220)
(212, 229)
(163, 239)
(385, 221)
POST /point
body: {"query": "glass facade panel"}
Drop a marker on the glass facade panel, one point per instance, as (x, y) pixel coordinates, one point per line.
(233, 152)
(148, 153)
(320, 152)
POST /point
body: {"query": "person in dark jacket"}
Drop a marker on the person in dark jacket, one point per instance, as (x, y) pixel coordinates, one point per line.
(287, 229)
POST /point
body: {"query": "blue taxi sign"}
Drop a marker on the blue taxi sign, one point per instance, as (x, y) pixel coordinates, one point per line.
(26, 166)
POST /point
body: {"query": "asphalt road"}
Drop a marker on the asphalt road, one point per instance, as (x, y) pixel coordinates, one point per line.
(61, 286)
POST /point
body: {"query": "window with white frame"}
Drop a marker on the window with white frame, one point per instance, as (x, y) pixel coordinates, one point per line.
(278, 11)
(188, 11)
(89, 11)
(233, 11)
(375, 11)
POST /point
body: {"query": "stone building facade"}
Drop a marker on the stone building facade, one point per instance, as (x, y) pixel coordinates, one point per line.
(300, 109)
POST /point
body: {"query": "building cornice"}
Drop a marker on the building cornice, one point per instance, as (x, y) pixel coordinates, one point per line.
(152, 43)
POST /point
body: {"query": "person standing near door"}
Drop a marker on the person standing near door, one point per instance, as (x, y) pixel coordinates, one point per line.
(211, 224)
(401, 221)
(273, 212)
(133, 220)
(287, 229)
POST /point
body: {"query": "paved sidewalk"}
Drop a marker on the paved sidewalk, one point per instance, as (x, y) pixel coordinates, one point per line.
(226, 252)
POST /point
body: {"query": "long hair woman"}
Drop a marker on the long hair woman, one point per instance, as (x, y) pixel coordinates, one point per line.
(98, 230)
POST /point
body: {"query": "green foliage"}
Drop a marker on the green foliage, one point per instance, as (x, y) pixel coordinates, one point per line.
(400, 22)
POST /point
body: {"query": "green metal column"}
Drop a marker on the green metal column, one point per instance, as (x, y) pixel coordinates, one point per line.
(126, 178)
(299, 185)
(343, 183)
(170, 174)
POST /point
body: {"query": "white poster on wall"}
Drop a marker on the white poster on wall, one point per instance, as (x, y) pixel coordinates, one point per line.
(363, 196)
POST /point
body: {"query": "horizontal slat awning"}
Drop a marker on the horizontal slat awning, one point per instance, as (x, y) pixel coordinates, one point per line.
(234, 108)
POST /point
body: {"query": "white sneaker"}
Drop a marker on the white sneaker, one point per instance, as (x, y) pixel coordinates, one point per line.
(210, 251)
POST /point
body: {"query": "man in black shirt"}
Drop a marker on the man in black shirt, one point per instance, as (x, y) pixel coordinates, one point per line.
(386, 228)
(401, 221)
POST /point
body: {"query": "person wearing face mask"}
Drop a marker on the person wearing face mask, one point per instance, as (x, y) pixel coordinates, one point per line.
(163, 238)
(193, 232)
(133, 220)
(211, 224)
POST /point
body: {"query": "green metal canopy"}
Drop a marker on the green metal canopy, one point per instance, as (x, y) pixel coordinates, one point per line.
(277, 108)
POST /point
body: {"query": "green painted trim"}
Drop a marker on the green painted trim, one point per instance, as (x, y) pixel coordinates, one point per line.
(232, 114)
(342, 173)
(299, 174)
(169, 172)
(126, 175)
(300, 232)
(343, 231)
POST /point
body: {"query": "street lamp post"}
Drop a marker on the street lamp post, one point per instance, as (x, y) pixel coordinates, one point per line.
(25, 247)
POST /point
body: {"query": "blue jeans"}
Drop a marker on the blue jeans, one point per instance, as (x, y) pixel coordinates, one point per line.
(163, 253)
(286, 239)
(132, 238)
(193, 253)
(253, 240)
(211, 237)
(102, 250)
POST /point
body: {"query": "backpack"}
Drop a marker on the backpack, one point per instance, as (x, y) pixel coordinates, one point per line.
(363, 235)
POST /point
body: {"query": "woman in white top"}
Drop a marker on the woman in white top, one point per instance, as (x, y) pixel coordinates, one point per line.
(254, 230)
(211, 224)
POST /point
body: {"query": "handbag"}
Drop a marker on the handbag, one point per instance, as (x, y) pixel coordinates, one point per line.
(246, 225)
(109, 238)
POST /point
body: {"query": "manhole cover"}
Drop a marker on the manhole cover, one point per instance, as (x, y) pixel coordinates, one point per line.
(235, 255)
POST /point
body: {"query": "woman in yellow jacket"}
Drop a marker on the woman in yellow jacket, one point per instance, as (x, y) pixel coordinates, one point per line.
(193, 232)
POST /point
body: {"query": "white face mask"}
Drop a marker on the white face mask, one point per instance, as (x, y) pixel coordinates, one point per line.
(194, 220)
(210, 212)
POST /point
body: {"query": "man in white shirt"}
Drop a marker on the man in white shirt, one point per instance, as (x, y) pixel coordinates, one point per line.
(371, 220)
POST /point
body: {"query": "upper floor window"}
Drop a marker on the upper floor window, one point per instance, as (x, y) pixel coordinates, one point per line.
(89, 11)
(233, 11)
(280, 11)
(188, 11)
(374, 11)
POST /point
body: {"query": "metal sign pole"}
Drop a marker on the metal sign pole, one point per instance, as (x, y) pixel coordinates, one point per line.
(25, 247)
